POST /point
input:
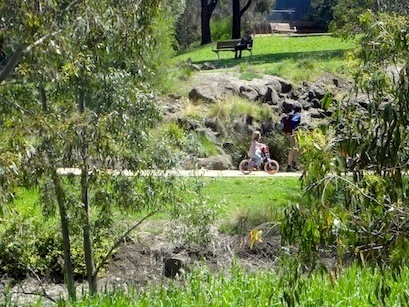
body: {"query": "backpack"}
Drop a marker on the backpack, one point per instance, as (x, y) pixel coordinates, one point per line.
(286, 123)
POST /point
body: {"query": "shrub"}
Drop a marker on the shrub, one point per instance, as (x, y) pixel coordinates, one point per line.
(221, 29)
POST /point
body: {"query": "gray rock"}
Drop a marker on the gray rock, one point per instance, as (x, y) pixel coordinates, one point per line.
(204, 93)
(316, 92)
(273, 82)
(208, 134)
(286, 86)
(316, 113)
(218, 162)
(212, 124)
(289, 105)
(195, 67)
(249, 92)
(208, 66)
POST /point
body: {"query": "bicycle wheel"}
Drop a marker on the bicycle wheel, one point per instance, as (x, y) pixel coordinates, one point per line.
(271, 167)
(245, 167)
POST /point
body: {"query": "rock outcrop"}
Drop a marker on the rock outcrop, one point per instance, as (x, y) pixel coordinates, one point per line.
(280, 94)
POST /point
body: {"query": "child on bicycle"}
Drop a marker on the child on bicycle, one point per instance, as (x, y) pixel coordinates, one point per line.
(256, 148)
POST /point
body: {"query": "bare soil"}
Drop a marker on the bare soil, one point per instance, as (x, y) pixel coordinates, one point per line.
(142, 262)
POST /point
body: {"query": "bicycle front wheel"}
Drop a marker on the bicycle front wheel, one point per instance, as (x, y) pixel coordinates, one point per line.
(271, 167)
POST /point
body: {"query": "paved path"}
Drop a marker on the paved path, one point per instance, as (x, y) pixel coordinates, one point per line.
(201, 172)
(236, 173)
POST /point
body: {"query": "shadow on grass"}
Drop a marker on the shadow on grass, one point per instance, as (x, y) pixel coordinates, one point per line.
(277, 57)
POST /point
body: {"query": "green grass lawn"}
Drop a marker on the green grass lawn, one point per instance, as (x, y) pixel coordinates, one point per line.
(232, 194)
(293, 57)
(239, 193)
(248, 202)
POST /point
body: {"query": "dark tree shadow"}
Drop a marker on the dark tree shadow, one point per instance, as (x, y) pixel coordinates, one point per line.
(276, 57)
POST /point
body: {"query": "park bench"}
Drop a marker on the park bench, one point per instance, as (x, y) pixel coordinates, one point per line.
(230, 45)
(282, 27)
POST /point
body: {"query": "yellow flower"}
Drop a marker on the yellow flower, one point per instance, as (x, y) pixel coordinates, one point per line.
(255, 237)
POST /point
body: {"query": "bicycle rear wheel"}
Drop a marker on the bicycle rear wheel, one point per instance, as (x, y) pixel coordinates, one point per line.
(245, 167)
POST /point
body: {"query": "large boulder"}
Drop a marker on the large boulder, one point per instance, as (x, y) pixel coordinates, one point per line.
(218, 162)
(216, 86)
(204, 93)
(249, 92)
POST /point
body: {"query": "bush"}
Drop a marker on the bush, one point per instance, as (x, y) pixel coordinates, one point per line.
(33, 245)
(221, 29)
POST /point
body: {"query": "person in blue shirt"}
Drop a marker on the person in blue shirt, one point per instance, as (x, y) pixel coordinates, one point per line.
(292, 153)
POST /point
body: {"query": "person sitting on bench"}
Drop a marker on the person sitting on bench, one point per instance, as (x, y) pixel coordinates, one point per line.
(246, 39)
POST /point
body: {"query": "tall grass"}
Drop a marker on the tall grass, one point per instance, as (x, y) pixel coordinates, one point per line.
(354, 287)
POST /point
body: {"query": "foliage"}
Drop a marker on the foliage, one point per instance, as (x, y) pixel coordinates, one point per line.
(321, 12)
(32, 245)
(30, 241)
(162, 37)
(364, 214)
(183, 143)
(221, 29)
(249, 202)
(188, 26)
(346, 13)
(254, 18)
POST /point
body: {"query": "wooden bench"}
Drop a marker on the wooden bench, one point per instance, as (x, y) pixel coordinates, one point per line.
(230, 45)
(282, 27)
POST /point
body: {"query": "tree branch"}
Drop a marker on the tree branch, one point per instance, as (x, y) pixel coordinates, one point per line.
(245, 8)
(19, 52)
(43, 290)
(120, 239)
(12, 62)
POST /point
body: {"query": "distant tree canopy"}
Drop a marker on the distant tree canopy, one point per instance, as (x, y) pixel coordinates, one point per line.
(346, 13)
(322, 12)
(198, 20)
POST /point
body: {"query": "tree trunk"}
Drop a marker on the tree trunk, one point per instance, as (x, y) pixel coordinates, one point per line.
(69, 272)
(236, 27)
(87, 236)
(237, 13)
(208, 7)
(86, 228)
(60, 196)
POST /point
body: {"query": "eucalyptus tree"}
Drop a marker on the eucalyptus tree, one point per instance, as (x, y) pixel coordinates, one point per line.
(362, 206)
(76, 94)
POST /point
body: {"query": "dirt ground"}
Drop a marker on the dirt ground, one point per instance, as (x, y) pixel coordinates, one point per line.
(144, 261)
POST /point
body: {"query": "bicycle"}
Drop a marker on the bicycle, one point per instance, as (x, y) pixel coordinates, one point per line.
(270, 166)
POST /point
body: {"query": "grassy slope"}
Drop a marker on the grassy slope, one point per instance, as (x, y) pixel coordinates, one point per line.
(247, 193)
(293, 57)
